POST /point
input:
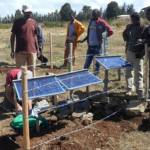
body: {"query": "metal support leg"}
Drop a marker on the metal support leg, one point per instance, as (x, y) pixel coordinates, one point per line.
(147, 72)
(54, 100)
(106, 81)
(119, 74)
(87, 90)
(71, 98)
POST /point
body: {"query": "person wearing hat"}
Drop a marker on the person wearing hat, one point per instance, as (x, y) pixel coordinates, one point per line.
(97, 26)
(134, 55)
(24, 34)
(74, 30)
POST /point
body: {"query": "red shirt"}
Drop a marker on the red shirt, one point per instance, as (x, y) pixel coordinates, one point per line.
(26, 33)
(11, 75)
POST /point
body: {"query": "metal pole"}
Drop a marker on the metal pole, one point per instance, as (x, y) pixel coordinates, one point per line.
(106, 81)
(94, 63)
(26, 134)
(34, 74)
(51, 53)
(119, 74)
(70, 66)
(146, 72)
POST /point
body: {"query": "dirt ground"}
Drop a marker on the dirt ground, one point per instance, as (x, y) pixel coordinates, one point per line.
(119, 132)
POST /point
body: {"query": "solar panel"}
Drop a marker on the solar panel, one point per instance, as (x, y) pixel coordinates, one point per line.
(112, 62)
(40, 87)
(78, 79)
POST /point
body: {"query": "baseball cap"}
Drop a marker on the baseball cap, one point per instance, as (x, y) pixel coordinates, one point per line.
(26, 8)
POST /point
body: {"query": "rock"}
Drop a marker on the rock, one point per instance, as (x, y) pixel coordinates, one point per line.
(78, 114)
(87, 119)
(49, 73)
(52, 119)
(137, 106)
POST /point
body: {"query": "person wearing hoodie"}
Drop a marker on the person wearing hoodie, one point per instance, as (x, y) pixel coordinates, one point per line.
(97, 26)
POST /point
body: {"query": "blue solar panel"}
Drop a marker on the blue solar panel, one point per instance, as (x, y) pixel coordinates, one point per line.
(40, 87)
(78, 79)
(112, 62)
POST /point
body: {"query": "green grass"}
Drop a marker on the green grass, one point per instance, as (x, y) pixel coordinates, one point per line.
(5, 26)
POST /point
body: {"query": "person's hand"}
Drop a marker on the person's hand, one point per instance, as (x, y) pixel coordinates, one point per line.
(79, 41)
(12, 55)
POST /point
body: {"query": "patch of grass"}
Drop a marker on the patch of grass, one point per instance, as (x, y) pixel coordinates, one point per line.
(5, 26)
(54, 24)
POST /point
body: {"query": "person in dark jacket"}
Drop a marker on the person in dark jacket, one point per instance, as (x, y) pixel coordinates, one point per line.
(96, 27)
(134, 55)
(146, 40)
(41, 40)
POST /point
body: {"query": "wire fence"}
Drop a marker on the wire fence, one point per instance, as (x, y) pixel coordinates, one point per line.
(76, 130)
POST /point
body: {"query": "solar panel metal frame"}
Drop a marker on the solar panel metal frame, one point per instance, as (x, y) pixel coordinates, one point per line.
(107, 68)
(45, 95)
(85, 85)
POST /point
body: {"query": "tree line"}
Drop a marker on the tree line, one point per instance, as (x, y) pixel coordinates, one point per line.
(111, 12)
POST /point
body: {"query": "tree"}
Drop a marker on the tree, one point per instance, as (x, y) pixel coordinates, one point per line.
(85, 13)
(124, 9)
(112, 10)
(130, 9)
(65, 12)
(18, 14)
(101, 11)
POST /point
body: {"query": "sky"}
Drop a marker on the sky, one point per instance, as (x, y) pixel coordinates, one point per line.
(8, 7)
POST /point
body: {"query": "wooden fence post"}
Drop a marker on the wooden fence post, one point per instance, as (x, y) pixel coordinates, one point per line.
(51, 52)
(26, 134)
(70, 59)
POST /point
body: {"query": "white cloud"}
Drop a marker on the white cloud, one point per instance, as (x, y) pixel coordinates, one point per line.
(45, 6)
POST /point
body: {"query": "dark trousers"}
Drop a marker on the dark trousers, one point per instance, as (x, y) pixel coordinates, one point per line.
(91, 52)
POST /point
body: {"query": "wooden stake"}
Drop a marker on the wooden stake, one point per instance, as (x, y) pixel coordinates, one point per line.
(51, 53)
(26, 135)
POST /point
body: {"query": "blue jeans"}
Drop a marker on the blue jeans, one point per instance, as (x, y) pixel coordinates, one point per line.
(91, 52)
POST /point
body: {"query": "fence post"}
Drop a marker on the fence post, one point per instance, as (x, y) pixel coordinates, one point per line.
(26, 134)
(146, 72)
(51, 52)
(70, 59)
